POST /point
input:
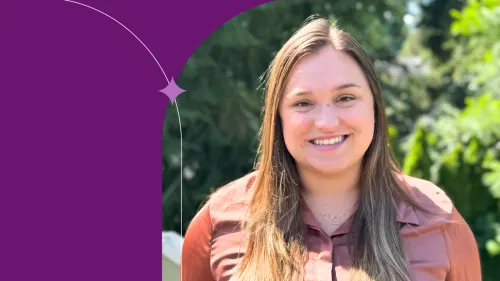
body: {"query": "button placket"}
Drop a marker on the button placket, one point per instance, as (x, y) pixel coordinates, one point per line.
(333, 273)
(341, 264)
(325, 269)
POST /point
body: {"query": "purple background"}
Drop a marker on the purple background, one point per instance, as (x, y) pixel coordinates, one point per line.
(81, 123)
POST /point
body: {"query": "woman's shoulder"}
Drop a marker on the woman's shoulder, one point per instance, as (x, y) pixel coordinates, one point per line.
(235, 191)
(231, 200)
(459, 242)
(440, 213)
(429, 196)
(232, 195)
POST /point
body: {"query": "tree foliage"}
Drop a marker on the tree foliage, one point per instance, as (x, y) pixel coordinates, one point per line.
(476, 46)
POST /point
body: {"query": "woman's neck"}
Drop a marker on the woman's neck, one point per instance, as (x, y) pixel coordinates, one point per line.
(333, 190)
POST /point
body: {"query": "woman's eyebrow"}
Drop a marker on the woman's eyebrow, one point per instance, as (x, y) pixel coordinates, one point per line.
(337, 88)
(345, 86)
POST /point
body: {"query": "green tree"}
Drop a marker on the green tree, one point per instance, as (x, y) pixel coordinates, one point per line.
(476, 46)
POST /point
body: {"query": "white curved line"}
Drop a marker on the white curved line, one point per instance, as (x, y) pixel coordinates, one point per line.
(175, 102)
(127, 30)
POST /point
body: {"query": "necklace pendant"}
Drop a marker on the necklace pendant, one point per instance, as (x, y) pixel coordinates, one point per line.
(336, 220)
(332, 219)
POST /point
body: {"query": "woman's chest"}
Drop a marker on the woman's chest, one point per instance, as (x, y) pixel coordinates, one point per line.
(329, 259)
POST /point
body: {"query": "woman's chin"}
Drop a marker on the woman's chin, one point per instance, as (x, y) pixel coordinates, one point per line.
(332, 171)
(329, 168)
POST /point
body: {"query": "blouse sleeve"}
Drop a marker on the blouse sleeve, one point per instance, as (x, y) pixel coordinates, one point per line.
(462, 249)
(195, 258)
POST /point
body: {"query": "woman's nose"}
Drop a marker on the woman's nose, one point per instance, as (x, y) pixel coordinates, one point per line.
(327, 117)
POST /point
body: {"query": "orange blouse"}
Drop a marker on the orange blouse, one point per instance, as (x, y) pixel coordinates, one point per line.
(438, 249)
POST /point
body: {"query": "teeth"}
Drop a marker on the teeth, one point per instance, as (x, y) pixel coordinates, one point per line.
(329, 141)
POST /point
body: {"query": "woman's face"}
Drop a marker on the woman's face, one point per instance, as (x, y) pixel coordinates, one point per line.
(327, 112)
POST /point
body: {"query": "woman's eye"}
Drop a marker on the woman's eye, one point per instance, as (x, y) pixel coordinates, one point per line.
(345, 99)
(302, 103)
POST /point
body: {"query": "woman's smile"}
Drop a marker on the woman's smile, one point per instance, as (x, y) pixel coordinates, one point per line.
(328, 143)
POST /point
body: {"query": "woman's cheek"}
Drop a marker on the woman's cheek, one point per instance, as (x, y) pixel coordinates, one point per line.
(358, 119)
(301, 121)
(296, 127)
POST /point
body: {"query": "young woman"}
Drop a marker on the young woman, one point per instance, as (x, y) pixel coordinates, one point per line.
(326, 200)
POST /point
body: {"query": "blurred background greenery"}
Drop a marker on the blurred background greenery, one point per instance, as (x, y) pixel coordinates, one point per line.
(439, 65)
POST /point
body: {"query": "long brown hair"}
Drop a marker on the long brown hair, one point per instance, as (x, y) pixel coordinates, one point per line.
(276, 248)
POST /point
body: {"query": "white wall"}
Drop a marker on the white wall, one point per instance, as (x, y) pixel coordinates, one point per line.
(171, 255)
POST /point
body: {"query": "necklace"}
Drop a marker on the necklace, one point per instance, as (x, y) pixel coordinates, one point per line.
(331, 218)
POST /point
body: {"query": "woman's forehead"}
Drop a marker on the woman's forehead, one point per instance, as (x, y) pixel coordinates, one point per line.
(327, 69)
